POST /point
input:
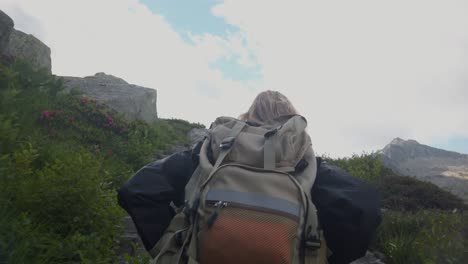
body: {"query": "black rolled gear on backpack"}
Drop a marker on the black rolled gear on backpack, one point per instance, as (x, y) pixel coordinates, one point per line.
(348, 208)
(148, 194)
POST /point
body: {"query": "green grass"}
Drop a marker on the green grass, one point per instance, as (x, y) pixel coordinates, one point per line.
(424, 237)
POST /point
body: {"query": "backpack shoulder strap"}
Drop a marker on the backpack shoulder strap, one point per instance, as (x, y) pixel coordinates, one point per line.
(200, 179)
(307, 176)
(315, 252)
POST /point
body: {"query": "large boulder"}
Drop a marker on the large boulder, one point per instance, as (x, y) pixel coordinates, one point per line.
(26, 47)
(135, 102)
(6, 27)
(15, 44)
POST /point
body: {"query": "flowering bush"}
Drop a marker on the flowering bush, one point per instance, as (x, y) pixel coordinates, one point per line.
(61, 158)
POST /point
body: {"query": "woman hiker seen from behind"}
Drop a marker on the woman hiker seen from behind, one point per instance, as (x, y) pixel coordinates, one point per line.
(252, 192)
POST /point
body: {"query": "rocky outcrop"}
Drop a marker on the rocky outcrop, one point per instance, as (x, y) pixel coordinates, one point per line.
(135, 102)
(447, 169)
(28, 48)
(16, 45)
(6, 27)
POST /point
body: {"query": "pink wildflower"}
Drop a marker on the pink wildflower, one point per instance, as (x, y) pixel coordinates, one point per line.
(109, 121)
(45, 114)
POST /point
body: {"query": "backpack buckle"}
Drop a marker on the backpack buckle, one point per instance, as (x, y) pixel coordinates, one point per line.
(271, 132)
(227, 143)
(313, 242)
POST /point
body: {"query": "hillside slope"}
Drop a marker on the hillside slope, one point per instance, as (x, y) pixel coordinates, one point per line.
(446, 169)
(62, 156)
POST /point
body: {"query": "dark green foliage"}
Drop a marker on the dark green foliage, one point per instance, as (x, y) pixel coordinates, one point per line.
(365, 166)
(421, 224)
(61, 158)
(409, 194)
(398, 192)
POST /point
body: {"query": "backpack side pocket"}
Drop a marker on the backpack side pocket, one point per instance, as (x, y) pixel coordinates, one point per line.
(170, 244)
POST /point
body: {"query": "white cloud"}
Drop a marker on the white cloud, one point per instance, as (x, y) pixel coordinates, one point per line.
(126, 39)
(362, 72)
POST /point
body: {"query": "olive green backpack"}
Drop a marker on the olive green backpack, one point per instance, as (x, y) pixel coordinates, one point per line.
(253, 205)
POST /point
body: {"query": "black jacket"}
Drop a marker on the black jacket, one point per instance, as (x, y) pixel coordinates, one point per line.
(348, 208)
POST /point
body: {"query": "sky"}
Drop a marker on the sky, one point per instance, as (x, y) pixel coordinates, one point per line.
(362, 72)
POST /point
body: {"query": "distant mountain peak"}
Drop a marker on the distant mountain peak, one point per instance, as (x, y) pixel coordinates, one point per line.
(411, 148)
(400, 141)
(447, 169)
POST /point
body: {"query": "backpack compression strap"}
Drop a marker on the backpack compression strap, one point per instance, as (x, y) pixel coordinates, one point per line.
(269, 153)
(226, 147)
(296, 123)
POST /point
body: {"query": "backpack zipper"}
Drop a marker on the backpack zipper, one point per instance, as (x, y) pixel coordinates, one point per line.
(298, 185)
(219, 205)
(222, 204)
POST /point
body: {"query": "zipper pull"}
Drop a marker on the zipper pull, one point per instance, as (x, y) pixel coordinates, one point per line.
(219, 205)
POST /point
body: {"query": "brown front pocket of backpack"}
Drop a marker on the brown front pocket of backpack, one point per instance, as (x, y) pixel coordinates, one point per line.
(247, 236)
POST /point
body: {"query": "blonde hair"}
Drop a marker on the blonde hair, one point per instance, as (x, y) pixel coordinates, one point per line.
(268, 105)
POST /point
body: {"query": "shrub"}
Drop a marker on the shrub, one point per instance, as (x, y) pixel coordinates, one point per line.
(398, 192)
(366, 166)
(65, 202)
(422, 223)
(61, 158)
(409, 194)
(424, 237)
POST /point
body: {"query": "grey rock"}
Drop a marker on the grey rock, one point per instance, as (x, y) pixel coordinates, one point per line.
(129, 242)
(446, 169)
(175, 149)
(6, 27)
(135, 102)
(369, 258)
(26, 47)
(197, 134)
(194, 136)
